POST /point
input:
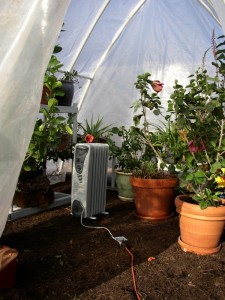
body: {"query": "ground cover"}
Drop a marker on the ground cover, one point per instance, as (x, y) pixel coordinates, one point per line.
(60, 259)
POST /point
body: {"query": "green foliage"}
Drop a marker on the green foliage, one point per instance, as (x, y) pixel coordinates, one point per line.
(146, 149)
(47, 138)
(146, 101)
(96, 129)
(71, 76)
(51, 82)
(149, 170)
(198, 111)
(128, 153)
(158, 143)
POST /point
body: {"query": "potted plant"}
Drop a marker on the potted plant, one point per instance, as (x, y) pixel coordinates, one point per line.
(47, 142)
(126, 152)
(93, 131)
(68, 80)
(52, 85)
(154, 180)
(198, 110)
(51, 139)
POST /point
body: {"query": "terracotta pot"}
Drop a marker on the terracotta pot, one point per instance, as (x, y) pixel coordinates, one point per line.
(45, 92)
(124, 187)
(154, 198)
(200, 230)
(8, 262)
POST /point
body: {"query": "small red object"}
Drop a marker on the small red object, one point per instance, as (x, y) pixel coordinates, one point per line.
(151, 258)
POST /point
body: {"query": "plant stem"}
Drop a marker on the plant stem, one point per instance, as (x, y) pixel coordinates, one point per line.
(147, 141)
(221, 138)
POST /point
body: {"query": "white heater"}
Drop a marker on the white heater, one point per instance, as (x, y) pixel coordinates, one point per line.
(89, 180)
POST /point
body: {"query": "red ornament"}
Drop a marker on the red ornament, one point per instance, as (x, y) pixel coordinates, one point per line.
(89, 138)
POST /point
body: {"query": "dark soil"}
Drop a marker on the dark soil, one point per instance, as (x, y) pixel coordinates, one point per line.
(60, 259)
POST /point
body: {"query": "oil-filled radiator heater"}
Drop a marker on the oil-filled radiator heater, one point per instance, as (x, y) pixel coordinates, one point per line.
(89, 180)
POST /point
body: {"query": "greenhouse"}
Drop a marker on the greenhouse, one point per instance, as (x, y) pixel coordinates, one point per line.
(112, 144)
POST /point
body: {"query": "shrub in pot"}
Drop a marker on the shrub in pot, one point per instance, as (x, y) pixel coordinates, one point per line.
(68, 80)
(61, 89)
(52, 85)
(47, 142)
(93, 131)
(153, 191)
(198, 110)
(126, 151)
(155, 173)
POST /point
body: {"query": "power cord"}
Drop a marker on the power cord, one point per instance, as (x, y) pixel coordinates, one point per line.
(121, 240)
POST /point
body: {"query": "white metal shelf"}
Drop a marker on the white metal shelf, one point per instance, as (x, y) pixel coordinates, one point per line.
(18, 212)
(60, 198)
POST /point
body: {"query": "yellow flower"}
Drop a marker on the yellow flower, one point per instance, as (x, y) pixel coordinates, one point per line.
(183, 135)
(223, 170)
(220, 180)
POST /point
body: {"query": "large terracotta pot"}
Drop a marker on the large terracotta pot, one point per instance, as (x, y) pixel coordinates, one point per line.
(8, 262)
(124, 187)
(154, 198)
(200, 230)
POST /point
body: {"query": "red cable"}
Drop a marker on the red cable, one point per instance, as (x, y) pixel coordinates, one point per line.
(133, 275)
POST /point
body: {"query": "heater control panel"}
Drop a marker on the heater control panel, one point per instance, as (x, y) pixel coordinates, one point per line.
(80, 155)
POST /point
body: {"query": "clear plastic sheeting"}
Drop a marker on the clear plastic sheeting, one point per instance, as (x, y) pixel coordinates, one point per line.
(219, 6)
(28, 32)
(112, 42)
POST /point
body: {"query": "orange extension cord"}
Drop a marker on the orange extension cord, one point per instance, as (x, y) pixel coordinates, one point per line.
(133, 275)
(120, 240)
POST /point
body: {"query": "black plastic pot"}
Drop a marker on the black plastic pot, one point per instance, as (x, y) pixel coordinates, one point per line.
(68, 88)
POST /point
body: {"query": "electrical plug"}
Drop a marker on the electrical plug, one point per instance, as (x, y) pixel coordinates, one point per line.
(120, 239)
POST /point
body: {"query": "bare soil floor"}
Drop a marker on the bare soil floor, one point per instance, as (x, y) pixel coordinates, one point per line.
(60, 259)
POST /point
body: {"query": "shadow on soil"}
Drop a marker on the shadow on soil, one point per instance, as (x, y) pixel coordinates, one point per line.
(55, 248)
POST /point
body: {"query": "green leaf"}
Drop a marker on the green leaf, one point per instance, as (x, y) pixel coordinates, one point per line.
(203, 204)
(51, 102)
(156, 112)
(189, 177)
(38, 133)
(136, 120)
(42, 127)
(26, 168)
(57, 84)
(200, 174)
(215, 167)
(69, 130)
(61, 119)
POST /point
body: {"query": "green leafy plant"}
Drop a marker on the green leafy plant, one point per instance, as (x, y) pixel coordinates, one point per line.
(160, 147)
(70, 75)
(149, 169)
(52, 85)
(198, 110)
(146, 101)
(51, 138)
(128, 152)
(94, 131)
(47, 138)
